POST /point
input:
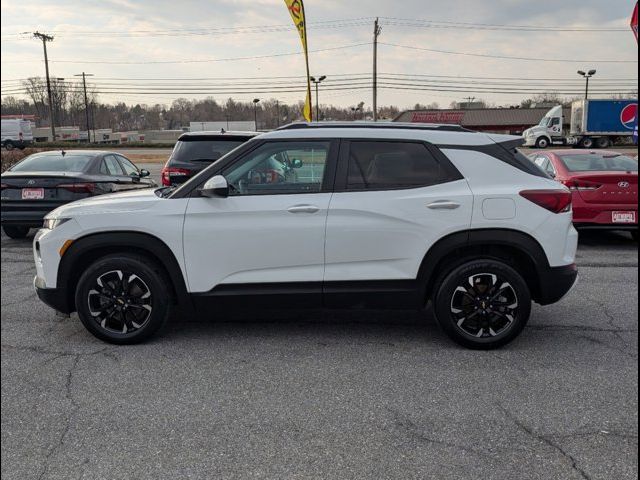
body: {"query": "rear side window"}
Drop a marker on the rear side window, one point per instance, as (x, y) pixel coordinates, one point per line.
(128, 167)
(393, 165)
(110, 166)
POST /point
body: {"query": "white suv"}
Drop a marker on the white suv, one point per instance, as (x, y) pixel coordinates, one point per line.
(366, 216)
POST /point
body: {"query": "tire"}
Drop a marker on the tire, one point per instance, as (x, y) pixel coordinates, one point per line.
(543, 142)
(587, 142)
(123, 318)
(475, 316)
(8, 145)
(603, 142)
(16, 231)
(634, 235)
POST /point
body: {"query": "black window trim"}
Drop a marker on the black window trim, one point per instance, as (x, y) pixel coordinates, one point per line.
(190, 189)
(342, 177)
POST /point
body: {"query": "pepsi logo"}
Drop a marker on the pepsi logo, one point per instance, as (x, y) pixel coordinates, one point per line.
(629, 115)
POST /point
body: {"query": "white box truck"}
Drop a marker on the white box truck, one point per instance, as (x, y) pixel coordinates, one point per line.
(593, 124)
(16, 133)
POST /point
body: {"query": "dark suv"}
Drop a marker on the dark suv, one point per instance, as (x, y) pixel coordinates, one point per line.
(196, 151)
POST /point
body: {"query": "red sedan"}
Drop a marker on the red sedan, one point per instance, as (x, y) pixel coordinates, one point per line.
(604, 186)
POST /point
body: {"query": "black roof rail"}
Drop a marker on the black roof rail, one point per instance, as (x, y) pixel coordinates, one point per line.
(378, 125)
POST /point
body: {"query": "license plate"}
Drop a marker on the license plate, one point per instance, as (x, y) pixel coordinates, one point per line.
(32, 193)
(624, 217)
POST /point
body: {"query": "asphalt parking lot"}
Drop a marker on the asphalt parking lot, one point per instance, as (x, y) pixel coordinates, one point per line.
(343, 395)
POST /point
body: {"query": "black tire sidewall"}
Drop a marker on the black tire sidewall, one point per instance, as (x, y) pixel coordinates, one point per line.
(149, 273)
(450, 281)
(540, 141)
(16, 231)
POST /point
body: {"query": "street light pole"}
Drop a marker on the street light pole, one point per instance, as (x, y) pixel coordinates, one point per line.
(86, 101)
(255, 111)
(317, 83)
(587, 75)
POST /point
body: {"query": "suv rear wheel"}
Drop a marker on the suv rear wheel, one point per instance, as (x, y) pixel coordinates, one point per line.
(483, 304)
(123, 299)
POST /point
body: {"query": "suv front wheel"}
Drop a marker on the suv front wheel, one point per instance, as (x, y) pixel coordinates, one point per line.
(123, 299)
(483, 304)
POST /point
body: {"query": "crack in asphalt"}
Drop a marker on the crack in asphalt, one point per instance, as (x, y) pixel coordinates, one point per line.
(615, 330)
(546, 439)
(74, 408)
(410, 429)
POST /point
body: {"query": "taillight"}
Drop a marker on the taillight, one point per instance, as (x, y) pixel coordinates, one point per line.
(556, 201)
(582, 185)
(4, 185)
(79, 187)
(168, 172)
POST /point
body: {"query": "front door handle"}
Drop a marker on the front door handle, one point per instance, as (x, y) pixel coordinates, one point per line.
(304, 209)
(444, 205)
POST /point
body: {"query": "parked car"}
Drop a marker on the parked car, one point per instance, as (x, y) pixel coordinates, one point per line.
(604, 186)
(378, 216)
(16, 133)
(197, 150)
(44, 181)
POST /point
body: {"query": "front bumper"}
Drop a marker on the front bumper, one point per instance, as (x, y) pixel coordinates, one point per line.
(556, 283)
(55, 298)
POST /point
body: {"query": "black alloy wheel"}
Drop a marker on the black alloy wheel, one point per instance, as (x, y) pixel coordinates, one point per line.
(123, 299)
(483, 304)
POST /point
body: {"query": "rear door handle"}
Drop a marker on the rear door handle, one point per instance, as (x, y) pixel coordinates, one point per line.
(304, 209)
(444, 205)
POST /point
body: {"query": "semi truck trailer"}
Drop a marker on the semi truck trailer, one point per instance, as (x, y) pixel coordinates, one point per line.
(593, 124)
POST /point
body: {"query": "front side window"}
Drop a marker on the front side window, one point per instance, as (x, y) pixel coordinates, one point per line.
(391, 165)
(280, 168)
(129, 168)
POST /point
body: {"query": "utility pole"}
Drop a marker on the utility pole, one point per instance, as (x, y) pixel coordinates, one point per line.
(86, 101)
(45, 39)
(377, 30)
(278, 113)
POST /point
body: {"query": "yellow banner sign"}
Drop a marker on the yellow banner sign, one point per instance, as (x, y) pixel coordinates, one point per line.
(296, 9)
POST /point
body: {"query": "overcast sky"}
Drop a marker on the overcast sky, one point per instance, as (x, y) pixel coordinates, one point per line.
(22, 56)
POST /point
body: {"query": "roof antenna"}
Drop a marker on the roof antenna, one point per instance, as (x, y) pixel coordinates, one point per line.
(222, 130)
(63, 153)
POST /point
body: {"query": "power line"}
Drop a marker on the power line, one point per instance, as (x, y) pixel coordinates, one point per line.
(211, 60)
(489, 26)
(504, 57)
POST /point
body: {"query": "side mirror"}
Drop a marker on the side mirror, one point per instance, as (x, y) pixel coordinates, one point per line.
(145, 173)
(296, 163)
(215, 187)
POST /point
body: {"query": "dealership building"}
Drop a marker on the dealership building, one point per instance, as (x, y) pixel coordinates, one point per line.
(511, 121)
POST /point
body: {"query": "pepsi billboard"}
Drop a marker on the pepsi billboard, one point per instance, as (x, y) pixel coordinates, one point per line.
(612, 116)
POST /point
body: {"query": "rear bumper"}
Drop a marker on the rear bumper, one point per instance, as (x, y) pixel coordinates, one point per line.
(556, 283)
(55, 298)
(631, 227)
(27, 214)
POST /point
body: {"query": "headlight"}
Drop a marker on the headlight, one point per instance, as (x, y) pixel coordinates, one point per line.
(51, 223)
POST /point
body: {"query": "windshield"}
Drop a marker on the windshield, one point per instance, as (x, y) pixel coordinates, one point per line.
(595, 162)
(544, 122)
(204, 150)
(68, 162)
